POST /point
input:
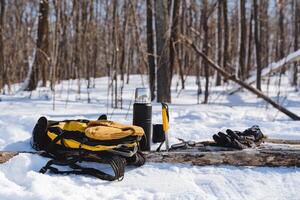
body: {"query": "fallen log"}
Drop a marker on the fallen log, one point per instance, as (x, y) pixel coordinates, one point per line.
(207, 153)
(281, 141)
(5, 156)
(268, 156)
(240, 82)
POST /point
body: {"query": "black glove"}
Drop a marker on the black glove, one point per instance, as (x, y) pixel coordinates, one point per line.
(251, 137)
(228, 140)
(255, 132)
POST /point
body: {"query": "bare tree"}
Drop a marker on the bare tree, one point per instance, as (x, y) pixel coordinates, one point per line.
(76, 61)
(182, 53)
(115, 39)
(204, 16)
(162, 49)
(123, 46)
(296, 8)
(219, 40)
(264, 31)
(281, 29)
(226, 35)
(243, 34)
(174, 47)
(257, 45)
(150, 48)
(250, 40)
(41, 56)
(2, 66)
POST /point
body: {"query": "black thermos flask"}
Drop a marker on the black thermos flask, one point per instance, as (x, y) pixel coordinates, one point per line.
(142, 116)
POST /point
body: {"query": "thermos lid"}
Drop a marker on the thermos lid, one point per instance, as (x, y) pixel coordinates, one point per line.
(142, 95)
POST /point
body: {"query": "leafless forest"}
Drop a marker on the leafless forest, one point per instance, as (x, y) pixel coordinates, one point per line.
(48, 41)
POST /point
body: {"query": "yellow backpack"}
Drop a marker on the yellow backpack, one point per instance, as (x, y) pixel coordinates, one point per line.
(69, 142)
(99, 135)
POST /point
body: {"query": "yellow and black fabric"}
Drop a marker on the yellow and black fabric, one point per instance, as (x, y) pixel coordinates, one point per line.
(109, 141)
(100, 135)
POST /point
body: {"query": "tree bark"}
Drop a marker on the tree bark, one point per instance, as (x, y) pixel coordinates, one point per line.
(42, 45)
(219, 40)
(243, 33)
(183, 51)
(174, 36)
(241, 83)
(269, 156)
(272, 157)
(150, 48)
(257, 45)
(162, 50)
(115, 56)
(205, 48)
(226, 36)
(248, 68)
(6, 156)
(296, 36)
(281, 29)
(76, 59)
(264, 32)
(2, 66)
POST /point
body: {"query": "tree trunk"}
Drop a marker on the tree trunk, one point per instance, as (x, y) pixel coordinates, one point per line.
(243, 33)
(44, 41)
(205, 48)
(42, 45)
(296, 36)
(257, 46)
(174, 36)
(281, 29)
(65, 66)
(96, 43)
(226, 36)
(56, 49)
(2, 67)
(219, 40)
(85, 42)
(183, 51)
(115, 52)
(76, 61)
(123, 46)
(123, 43)
(162, 50)
(150, 48)
(248, 69)
(264, 32)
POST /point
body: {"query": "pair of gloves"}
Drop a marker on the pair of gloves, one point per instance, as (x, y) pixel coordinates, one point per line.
(249, 138)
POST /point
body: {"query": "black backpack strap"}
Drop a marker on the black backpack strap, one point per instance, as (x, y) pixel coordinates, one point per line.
(136, 160)
(116, 162)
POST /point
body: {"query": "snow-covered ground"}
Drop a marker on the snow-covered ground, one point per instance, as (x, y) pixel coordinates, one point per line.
(19, 178)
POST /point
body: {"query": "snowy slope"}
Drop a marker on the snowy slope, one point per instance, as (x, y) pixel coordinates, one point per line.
(271, 68)
(19, 178)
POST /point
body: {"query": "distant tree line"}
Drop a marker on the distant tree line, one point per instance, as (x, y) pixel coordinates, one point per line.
(52, 40)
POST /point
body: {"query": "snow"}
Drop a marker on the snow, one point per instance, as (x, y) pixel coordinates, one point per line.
(271, 68)
(19, 177)
(292, 57)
